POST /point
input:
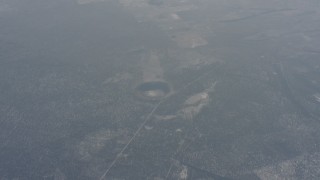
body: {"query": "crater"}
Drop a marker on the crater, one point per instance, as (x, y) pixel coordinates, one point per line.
(153, 90)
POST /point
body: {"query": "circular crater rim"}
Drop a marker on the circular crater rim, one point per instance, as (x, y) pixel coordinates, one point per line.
(153, 90)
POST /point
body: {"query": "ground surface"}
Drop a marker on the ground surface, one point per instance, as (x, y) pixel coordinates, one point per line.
(244, 84)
